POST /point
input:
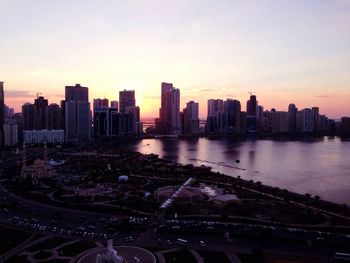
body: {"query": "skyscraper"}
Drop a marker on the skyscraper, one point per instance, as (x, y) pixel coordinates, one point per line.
(41, 111)
(114, 104)
(216, 119)
(215, 107)
(191, 119)
(28, 117)
(292, 118)
(76, 93)
(100, 103)
(252, 104)
(279, 122)
(77, 113)
(126, 99)
(169, 122)
(232, 109)
(2, 113)
(307, 124)
(101, 121)
(54, 117)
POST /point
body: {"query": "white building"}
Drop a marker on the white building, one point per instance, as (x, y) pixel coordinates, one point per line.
(42, 136)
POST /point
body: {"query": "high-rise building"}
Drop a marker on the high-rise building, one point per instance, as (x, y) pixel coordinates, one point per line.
(114, 104)
(2, 113)
(345, 126)
(316, 116)
(101, 121)
(77, 113)
(232, 109)
(215, 107)
(11, 134)
(126, 99)
(216, 118)
(28, 117)
(169, 113)
(100, 103)
(54, 117)
(252, 104)
(191, 119)
(76, 93)
(41, 111)
(279, 122)
(307, 121)
(292, 118)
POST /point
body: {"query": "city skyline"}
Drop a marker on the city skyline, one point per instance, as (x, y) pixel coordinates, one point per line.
(98, 101)
(290, 52)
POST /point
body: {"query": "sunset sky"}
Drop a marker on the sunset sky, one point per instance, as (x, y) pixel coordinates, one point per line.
(283, 51)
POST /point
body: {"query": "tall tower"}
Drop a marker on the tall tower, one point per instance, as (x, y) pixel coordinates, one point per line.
(54, 117)
(41, 111)
(77, 113)
(252, 104)
(126, 99)
(170, 109)
(191, 119)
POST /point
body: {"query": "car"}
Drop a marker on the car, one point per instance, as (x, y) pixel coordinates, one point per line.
(169, 242)
(202, 243)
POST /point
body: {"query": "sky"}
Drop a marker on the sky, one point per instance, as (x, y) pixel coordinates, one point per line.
(295, 51)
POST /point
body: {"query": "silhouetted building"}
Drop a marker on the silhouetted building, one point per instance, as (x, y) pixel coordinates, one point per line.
(126, 99)
(28, 117)
(216, 118)
(77, 113)
(345, 126)
(190, 118)
(114, 104)
(41, 105)
(11, 136)
(307, 121)
(76, 93)
(279, 122)
(292, 118)
(252, 104)
(100, 103)
(169, 112)
(232, 109)
(54, 117)
(101, 121)
(8, 112)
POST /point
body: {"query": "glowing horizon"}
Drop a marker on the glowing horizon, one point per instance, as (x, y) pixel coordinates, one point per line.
(284, 52)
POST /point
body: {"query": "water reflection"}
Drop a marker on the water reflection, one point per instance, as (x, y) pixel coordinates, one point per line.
(318, 166)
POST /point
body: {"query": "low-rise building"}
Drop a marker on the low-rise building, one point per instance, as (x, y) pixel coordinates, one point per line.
(42, 136)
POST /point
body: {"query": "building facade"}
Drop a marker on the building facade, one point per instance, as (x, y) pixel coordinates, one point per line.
(191, 119)
(126, 100)
(43, 136)
(169, 113)
(77, 113)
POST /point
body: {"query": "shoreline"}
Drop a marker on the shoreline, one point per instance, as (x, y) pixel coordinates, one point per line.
(270, 170)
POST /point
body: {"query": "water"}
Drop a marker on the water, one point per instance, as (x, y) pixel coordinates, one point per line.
(316, 166)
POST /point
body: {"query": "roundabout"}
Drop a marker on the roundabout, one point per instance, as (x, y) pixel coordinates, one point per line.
(120, 254)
